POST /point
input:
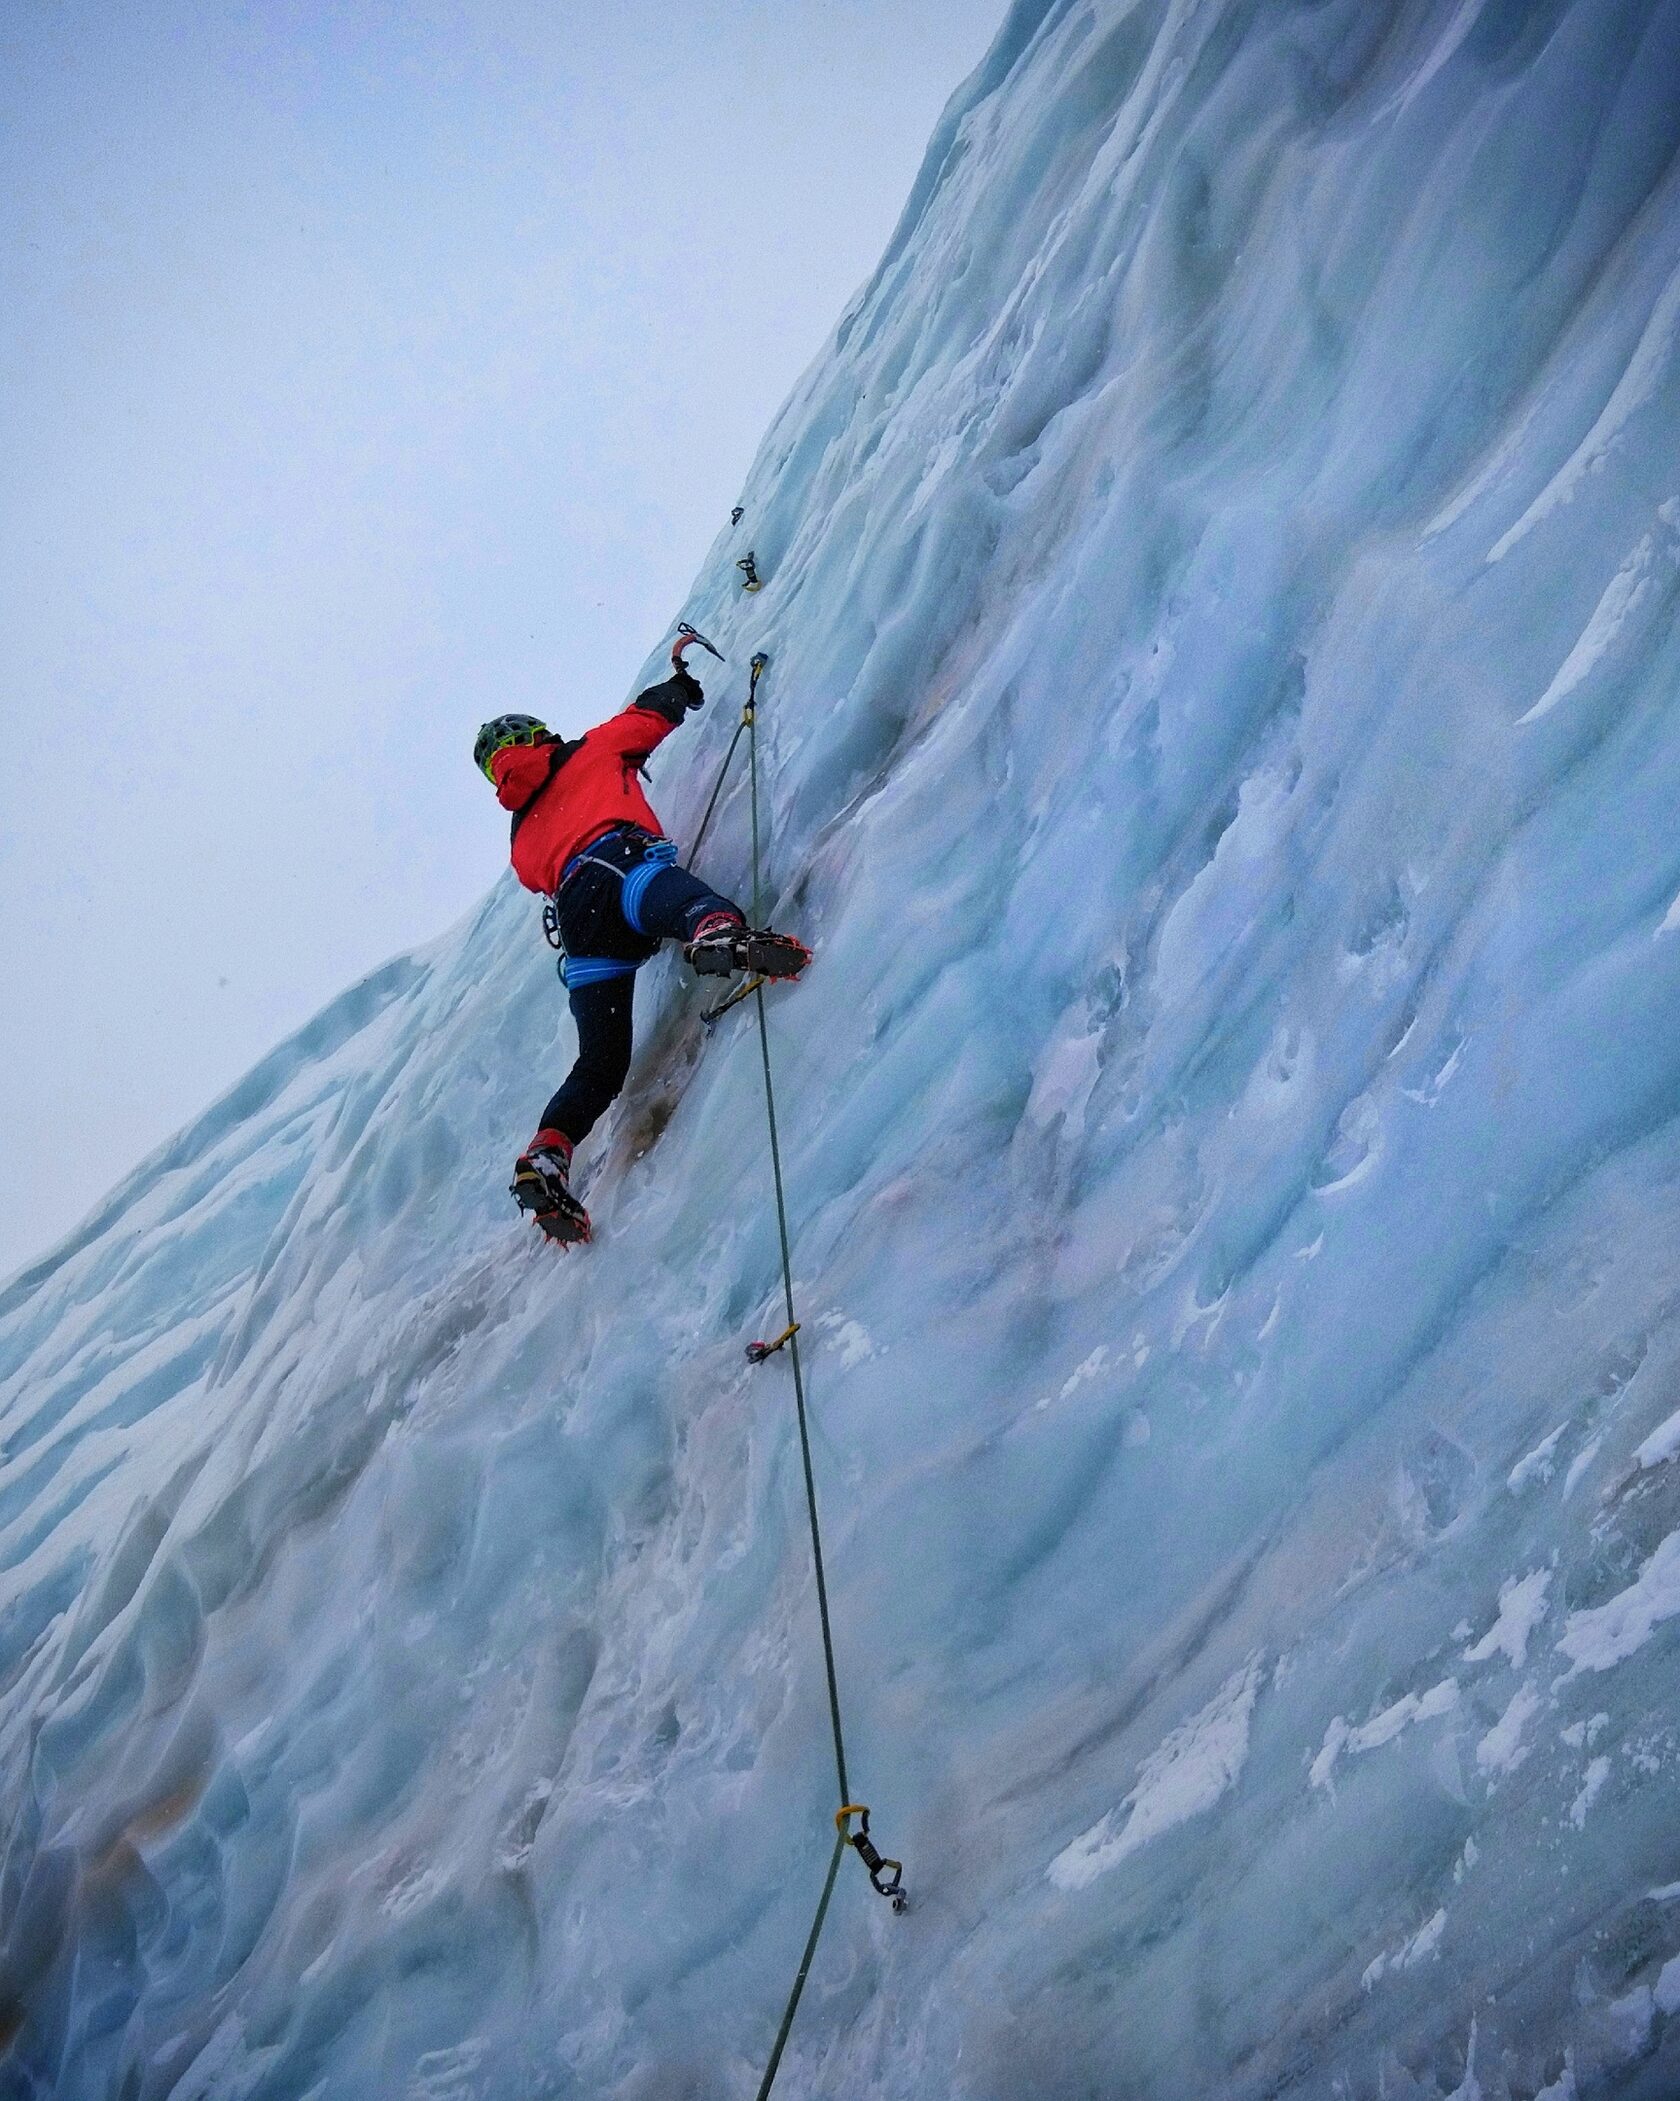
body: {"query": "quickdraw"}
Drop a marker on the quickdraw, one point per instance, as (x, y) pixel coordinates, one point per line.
(888, 1885)
(758, 1351)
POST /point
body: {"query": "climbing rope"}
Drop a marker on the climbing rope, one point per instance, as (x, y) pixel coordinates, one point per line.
(811, 1939)
(741, 728)
(885, 1875)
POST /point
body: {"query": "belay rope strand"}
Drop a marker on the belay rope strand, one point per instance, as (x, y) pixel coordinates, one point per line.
(742, 727)
(885, 1875)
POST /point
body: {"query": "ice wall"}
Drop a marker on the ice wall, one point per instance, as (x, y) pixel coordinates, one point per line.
(1222, 743)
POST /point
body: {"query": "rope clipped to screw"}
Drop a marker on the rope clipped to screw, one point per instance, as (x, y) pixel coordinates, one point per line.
(758, 1351)
(741, 728)
(885, 1884)
(885, 1874)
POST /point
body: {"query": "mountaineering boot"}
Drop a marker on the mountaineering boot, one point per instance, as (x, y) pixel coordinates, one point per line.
(722, 946)
(541, 1185)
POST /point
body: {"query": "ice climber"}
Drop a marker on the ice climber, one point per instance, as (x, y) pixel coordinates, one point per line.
(585, 836)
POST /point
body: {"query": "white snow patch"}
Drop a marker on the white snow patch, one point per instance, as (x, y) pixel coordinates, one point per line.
(1626, 592)
(1419, 1948)
(448, 2075)
(1665, 1895)
(1433, 1089)
(1663, 1442)
(849, 1339)
(1522, 1606)
(1501, 1750)
(1382, 1728)
(1667, 1994)
(1630, 2020)
(1563, 2087)
(1635, 387)
(1536, 1464)
(1189, 1772)
(1603, 1635)
(1081, 1375)
(1469, 2088)
(1596, 1775)
(1579, 1464)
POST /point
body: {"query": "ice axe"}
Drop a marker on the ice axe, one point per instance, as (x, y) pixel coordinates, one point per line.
(687, 638)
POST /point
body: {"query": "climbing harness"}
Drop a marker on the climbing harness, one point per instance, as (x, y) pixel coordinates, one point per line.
(750, 578)
(687, 638)
(886, 1875)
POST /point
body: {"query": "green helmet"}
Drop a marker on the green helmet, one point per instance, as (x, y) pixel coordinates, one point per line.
(505, 730)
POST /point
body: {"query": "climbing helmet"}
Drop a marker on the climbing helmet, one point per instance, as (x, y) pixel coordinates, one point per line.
(505, 730)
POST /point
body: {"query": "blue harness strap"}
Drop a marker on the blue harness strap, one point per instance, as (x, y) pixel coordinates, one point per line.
(578, 971)
(659, 856)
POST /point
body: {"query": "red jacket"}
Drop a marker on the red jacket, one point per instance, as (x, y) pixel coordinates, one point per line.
(558, 810)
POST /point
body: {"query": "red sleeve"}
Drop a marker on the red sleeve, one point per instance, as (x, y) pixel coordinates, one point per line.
(632, 733)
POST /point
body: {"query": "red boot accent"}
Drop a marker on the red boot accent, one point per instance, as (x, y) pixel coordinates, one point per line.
(716, 923)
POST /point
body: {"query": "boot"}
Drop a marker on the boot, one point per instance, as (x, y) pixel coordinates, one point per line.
(722, 946)
(542, 1185)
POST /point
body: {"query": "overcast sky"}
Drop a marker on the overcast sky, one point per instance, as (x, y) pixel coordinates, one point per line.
(365, 369)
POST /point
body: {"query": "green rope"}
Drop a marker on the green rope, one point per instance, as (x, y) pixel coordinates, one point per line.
(745, 723)
(752, 777)
(717, 790)
(799, 1406)
(787, 1296)
(872, 1860)
(812, 1938)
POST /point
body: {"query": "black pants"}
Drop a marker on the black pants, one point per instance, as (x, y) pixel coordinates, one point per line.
(624, 895)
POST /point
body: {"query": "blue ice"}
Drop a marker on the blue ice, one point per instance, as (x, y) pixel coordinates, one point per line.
(1221, 742)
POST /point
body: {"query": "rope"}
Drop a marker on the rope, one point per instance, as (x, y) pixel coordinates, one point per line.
(717, 788)
(746, 723)
(787, 1292)
(885, 1875)
(812, 1938)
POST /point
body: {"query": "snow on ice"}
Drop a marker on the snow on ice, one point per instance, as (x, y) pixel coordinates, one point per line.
(1221, 741)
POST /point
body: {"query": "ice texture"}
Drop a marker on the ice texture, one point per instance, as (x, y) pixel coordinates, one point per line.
(1221, 740)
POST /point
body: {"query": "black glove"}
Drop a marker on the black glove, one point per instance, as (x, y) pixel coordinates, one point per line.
(673, 697)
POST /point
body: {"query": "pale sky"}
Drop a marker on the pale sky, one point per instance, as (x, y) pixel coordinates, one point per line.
(365, 369)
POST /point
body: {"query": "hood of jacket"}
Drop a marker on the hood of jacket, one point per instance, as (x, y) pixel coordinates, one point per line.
(523, 771)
